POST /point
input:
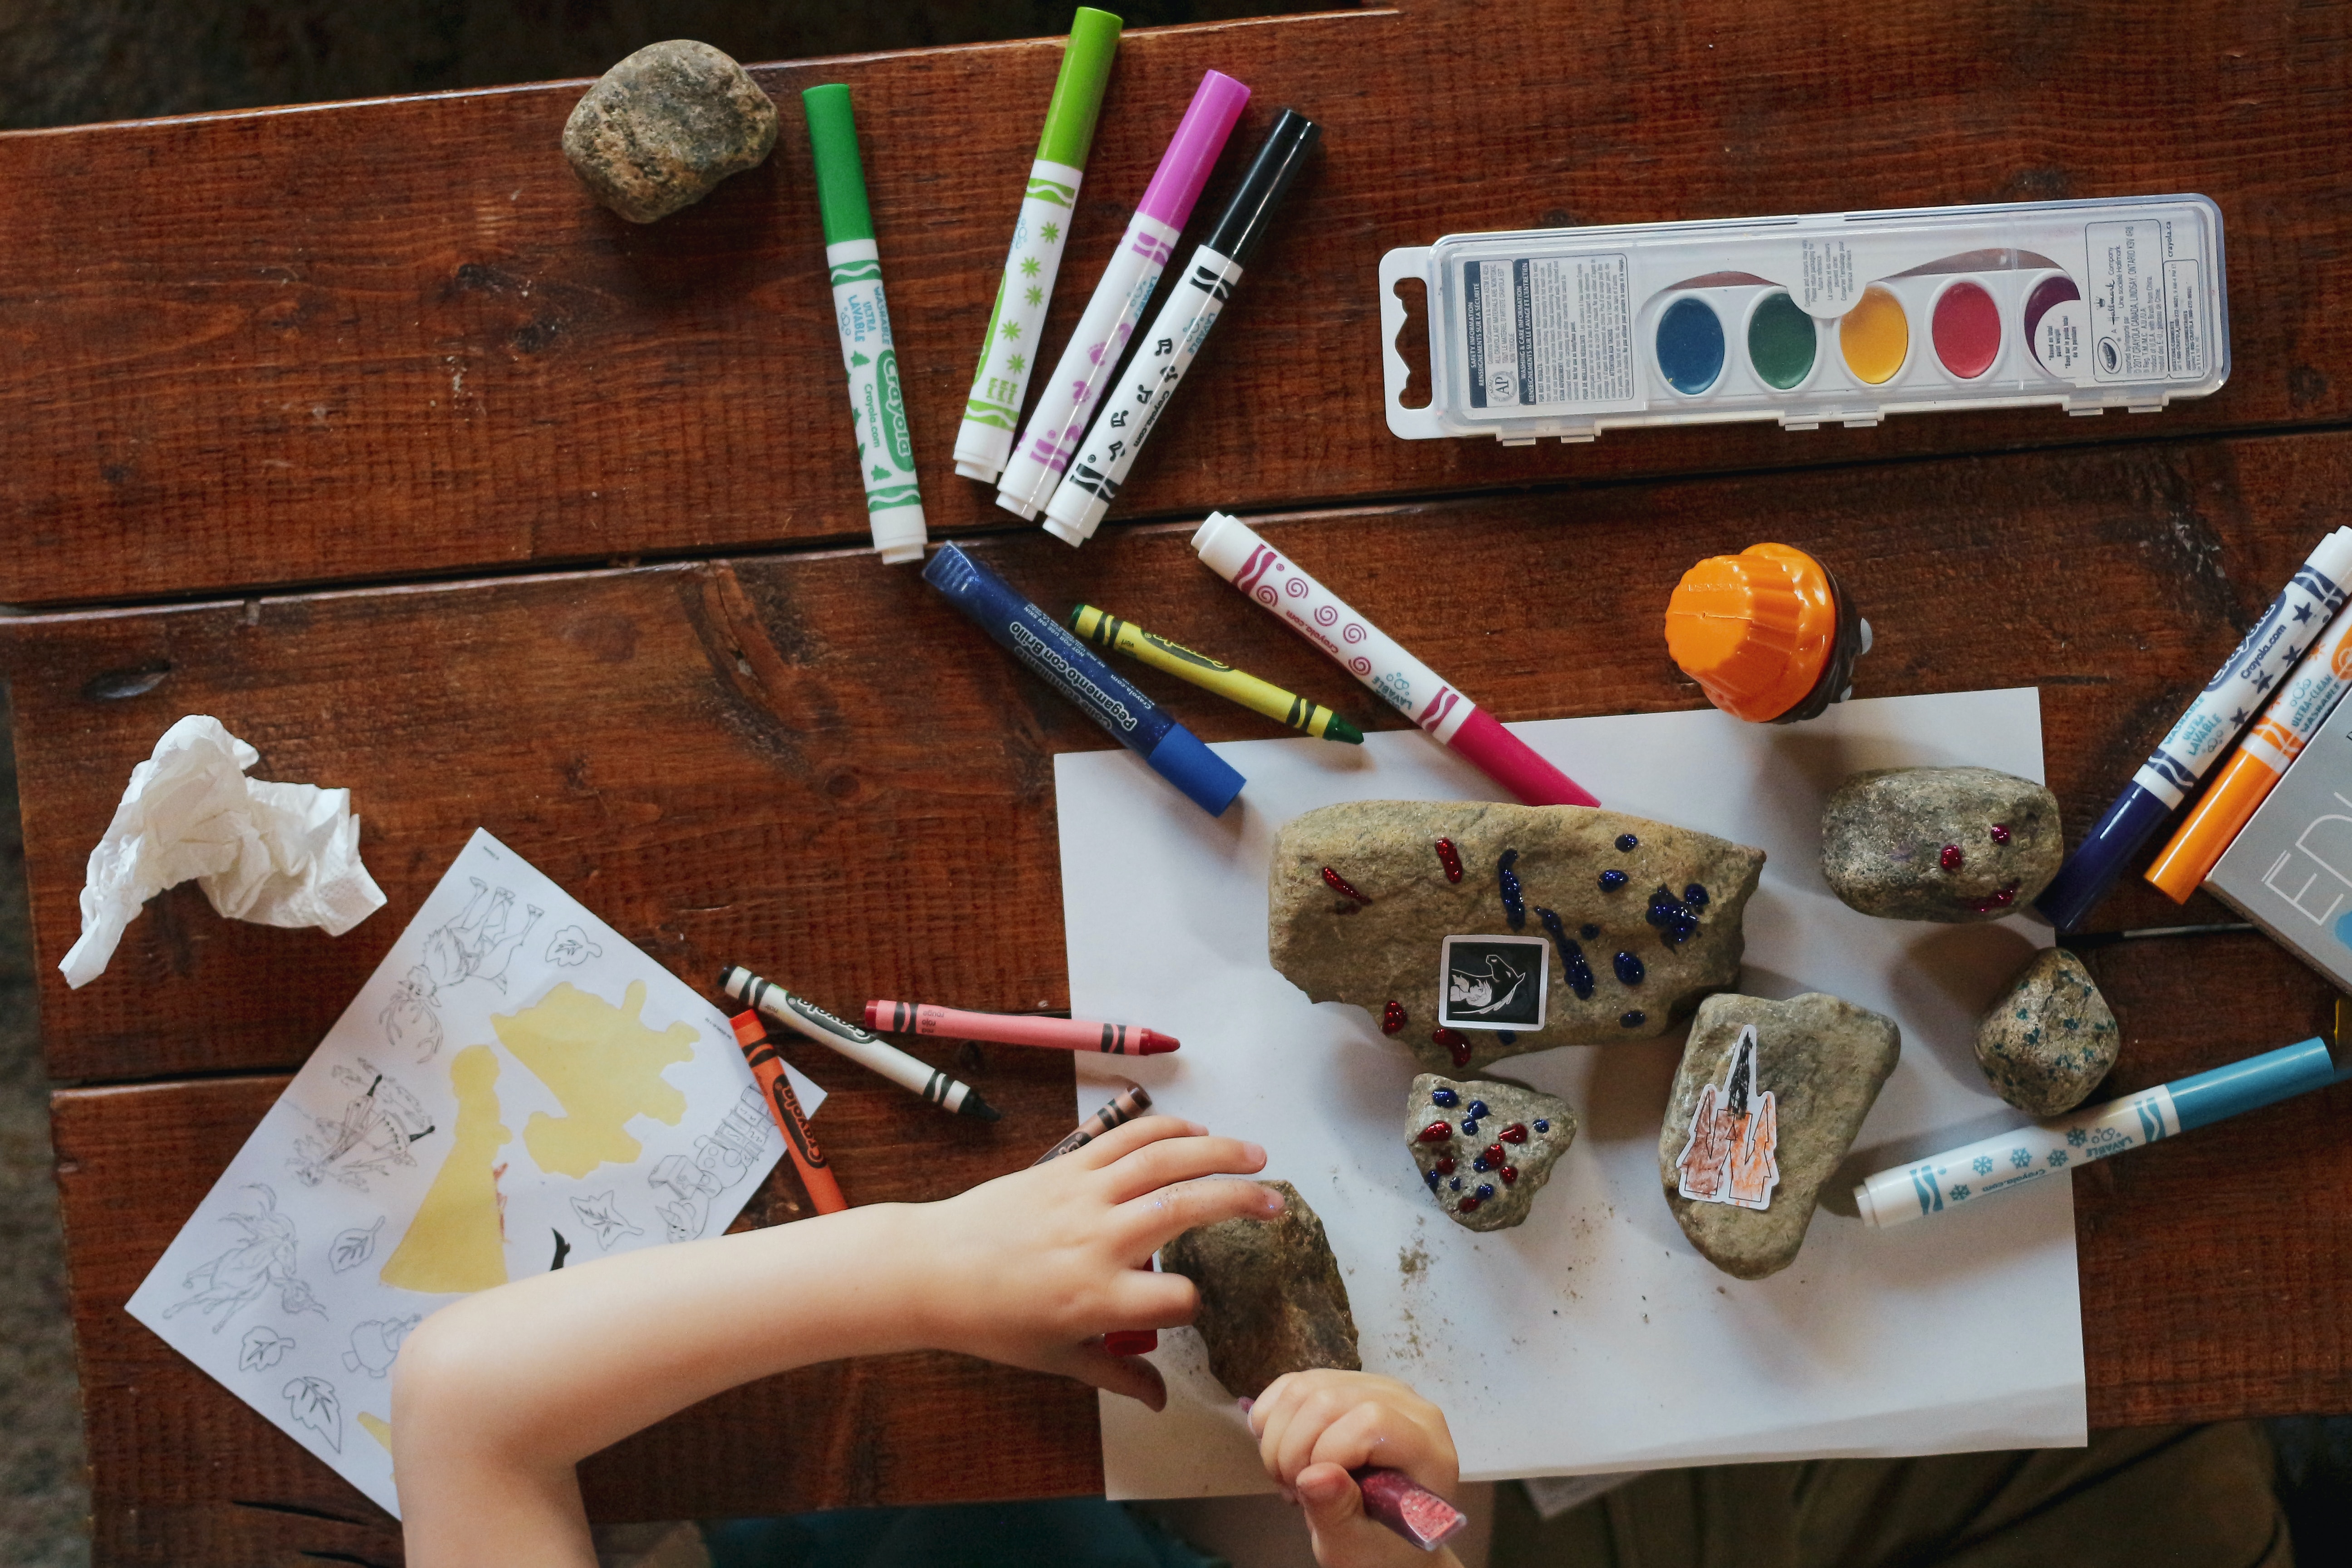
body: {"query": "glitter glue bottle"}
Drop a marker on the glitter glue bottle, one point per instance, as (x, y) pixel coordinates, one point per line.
(1767, 634)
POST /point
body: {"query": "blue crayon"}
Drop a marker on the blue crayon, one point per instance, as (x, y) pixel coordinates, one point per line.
(2203, 734)
(1072, 668)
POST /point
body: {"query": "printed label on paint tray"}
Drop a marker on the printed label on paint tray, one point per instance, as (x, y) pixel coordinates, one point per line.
(1546, 333)
(2146, 316)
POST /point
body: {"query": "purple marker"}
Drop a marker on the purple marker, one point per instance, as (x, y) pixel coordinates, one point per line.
(1067, 400)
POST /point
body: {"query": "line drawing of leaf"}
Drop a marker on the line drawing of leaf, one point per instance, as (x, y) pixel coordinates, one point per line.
(354, 1247)
(312, 1402)
(263, 1348)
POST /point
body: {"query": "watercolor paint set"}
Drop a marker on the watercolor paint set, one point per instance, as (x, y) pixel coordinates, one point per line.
(1837, 318)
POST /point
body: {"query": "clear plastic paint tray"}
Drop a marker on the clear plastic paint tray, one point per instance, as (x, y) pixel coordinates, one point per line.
(1837, 317)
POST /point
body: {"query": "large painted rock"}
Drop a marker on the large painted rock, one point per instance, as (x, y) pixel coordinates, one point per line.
(2047, 1043)
(1940, 843)
(1766, 1103)
(1475, 931)
(1486, 1146)
(1272, 1300)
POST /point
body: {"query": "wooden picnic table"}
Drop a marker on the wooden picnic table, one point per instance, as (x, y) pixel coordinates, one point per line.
(363, 429)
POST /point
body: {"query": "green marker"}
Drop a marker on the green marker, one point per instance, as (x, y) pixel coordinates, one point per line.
(877, 405)
(991, 412)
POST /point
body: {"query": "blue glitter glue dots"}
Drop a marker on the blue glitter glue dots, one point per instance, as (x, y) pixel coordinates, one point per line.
(1542, 1126)
(1690, 345)
(1515, 903)
(1626, 841)
(1589, 932)
(1675, 920)
(1629, 969)
(1486, 1191)
(1694, 895)
(1632, 1018)
(1613, 880)
(1507, 1036)
(1445, 1097)
(1571, 957)
(1477, 1109)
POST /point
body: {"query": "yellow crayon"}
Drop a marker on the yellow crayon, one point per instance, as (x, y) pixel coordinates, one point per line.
(1106, 630)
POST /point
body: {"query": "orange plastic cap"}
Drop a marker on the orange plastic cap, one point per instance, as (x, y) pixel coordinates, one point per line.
(2201, 841)
(1755, 629)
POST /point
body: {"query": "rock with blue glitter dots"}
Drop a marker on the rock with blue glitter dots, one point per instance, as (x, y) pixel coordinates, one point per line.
(2050, 1039)
(1685, 945)
(1506, 1154)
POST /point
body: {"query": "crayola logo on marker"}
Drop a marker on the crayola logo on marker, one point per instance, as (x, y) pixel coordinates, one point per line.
(895, 434)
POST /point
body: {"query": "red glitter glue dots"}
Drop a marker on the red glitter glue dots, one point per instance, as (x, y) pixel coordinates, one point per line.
(1457, 1044)
(1338, 884)
(1437, 1132)
(1451, 858)
(1392, 1017)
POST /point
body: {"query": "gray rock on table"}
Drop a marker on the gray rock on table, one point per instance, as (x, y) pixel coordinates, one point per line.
(1953, 845)
(660, 130)
(1338, 949)
(1821, 1060)
(2047, 1043)
(1488, 1169)
(1272, 1300)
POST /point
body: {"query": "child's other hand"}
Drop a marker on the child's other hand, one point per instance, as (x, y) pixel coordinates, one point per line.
(1313, 1427)
(1030, 1267)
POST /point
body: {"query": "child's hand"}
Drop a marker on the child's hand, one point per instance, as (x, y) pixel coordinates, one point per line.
(1030, 1267)
(1313, 1427)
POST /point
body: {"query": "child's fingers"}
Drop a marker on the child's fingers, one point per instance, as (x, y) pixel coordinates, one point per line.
(1150, 1222)
(1171, 1160)
(1125, 1140)
(1147, 1301)
(1131, 1375)
(1331, 1499)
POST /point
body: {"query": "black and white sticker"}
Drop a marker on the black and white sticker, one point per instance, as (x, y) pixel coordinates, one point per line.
(1494, 983)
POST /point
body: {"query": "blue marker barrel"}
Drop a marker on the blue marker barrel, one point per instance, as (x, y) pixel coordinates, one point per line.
(1074, 670)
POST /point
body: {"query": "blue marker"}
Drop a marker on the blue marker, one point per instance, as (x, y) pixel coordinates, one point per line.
(1996, 1164)
(1072, 668)
(2205, 733)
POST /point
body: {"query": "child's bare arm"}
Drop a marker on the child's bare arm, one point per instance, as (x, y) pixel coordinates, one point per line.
(496, 1398)
(1313, 1427)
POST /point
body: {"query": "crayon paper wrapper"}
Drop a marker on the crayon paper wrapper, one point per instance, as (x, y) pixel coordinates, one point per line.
(448, 1134)
(2237, 691)
(1007, 358)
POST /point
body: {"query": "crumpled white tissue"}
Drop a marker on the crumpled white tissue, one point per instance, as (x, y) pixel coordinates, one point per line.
(276, 854)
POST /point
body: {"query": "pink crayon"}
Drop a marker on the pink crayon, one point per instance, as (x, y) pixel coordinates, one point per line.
(1233, 551)
(1017, 1029)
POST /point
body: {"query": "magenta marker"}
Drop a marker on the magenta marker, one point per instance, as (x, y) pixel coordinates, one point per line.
(1232, 549)
(1067, 399)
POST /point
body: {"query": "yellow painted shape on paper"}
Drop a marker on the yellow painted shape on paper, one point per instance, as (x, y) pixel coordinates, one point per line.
(377, 1428)
(604, 1066)
(457, 1240)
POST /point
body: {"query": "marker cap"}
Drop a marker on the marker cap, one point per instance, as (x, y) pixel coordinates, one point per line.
(1243, 225)
(1079, 91)
(1513, 764)
(1192, 152)
(2099, 860)
(1762, 632)
(1207, 779)
(840, 176)
(2245, 782)
(2209, 1097)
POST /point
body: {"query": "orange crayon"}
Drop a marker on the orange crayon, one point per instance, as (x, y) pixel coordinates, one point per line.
(816, 1176)
(2304, 701)
(1768, 634)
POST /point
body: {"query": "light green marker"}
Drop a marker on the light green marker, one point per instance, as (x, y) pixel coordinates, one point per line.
(993, 411)
(877, 405)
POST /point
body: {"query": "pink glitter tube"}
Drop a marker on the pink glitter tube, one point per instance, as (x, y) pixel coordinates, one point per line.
(1233, 551)
(1395, 1499)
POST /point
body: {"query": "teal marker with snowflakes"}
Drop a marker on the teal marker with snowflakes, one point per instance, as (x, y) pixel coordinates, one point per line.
(992, 410)
(2006, 1160)
(877, 402)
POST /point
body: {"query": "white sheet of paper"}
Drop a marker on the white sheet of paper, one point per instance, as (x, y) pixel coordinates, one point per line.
(1593, 1338)
(274, 1285)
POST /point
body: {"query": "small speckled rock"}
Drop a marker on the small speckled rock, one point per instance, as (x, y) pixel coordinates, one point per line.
(1500, 1141)
(1631, 948)
(660, 130)
(2045, 1046)
(1821, 1060)
(1272, 1300)
(1940, 843)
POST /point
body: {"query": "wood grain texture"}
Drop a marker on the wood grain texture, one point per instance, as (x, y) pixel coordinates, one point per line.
(184, 1473)
(395, 338)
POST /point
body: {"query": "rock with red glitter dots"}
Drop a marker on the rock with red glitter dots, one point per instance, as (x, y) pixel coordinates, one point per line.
(1335, 949)
(1500, 1180)
(1952, 844)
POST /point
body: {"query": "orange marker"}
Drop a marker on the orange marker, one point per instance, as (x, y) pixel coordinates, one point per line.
(1765, 633)
(824, 1193)
(2302, 706)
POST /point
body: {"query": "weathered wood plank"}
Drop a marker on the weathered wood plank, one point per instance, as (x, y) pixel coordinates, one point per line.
(395, 338)
(182, 1473)
(810, 763)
